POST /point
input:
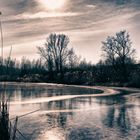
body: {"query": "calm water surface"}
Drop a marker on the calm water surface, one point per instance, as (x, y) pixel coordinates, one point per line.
(102, 118)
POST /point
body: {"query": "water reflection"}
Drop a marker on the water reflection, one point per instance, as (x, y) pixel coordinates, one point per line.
(24, 92)
(121, 115)
(108, 118)
(118, 118)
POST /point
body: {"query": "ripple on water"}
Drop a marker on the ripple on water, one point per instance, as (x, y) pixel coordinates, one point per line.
(65, 115)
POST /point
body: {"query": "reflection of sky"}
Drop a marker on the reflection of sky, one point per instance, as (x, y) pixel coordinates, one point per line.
(106, 118)
(86, 22)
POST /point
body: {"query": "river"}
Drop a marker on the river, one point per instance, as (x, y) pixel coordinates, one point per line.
(61, 112)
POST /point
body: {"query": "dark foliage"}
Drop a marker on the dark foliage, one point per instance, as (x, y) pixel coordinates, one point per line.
(60, 64)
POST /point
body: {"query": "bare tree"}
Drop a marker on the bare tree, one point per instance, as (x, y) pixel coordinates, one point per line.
(55, 51)
(73, 59)
(119, 52)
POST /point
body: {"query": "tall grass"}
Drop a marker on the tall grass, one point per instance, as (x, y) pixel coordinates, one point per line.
(7, 132)
(4, 119)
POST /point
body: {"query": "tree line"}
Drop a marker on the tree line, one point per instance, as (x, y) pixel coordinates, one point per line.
(59, 64)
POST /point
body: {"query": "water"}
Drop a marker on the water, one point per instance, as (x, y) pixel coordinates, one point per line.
(64, 116)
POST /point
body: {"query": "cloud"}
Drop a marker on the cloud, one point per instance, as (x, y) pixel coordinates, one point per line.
(48, 15)
(90, 6)
(87, 22)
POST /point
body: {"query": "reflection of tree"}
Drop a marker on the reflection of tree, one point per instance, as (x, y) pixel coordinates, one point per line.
(62, 119)
(25, 92)
(9, 92)
(118, 117)
(123, 120)
(109, 121)
(62, 104)
(58, 120)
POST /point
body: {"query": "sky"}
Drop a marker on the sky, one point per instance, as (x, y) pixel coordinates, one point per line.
(27, 24)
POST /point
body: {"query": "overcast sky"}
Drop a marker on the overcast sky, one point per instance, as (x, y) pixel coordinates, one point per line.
(27, 23)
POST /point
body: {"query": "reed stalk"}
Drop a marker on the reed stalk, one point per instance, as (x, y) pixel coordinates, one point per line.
(7, 132)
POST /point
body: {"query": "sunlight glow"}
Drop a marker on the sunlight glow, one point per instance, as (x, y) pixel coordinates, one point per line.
(53, 4)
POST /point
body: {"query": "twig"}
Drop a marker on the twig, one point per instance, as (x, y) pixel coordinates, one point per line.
(1, 32)
(26, 114)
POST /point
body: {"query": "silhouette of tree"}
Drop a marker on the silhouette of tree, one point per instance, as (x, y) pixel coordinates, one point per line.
(73, 59)
(55, 51)
(119, 52)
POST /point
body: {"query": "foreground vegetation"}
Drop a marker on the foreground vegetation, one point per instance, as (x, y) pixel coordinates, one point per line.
(59, 64)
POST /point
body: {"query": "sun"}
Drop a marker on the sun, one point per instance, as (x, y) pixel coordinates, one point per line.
(53, 4)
